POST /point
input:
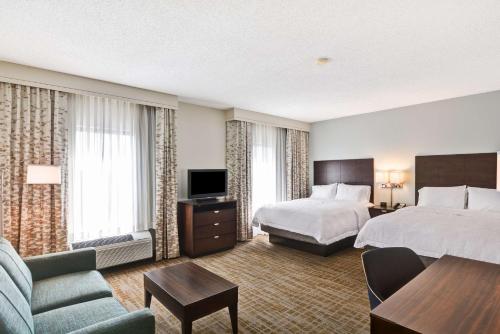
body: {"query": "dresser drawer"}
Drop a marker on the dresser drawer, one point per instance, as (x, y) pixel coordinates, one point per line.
(210, 230)
(215, 243)
(214, 216)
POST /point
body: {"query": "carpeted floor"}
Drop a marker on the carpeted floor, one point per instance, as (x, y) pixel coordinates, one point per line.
(281, 290)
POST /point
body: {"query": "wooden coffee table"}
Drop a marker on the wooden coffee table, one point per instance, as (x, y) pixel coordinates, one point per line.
(191, 292)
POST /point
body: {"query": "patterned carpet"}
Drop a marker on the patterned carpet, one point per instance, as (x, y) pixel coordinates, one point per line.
(281, 290)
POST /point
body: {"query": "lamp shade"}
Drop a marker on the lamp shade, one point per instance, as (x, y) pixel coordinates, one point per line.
(43, 174)
(381, 177)
(396, 177)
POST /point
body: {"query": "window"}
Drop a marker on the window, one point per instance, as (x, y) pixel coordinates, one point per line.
(111, 179)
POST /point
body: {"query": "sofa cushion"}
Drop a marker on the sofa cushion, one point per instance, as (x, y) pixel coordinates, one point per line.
(15, 313)
(70, 318)
(69, 289)
(16, 268)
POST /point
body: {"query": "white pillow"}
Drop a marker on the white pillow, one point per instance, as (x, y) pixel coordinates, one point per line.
(346, 192)
(443, 197)
(328, 191)
(483, 199)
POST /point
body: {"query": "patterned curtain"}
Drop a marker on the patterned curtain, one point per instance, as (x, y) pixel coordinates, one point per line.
(239, 165)
(33, 130)
(167, 235)
(297, 163)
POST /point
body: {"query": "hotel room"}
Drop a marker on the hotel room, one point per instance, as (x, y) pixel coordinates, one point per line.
(249, 166)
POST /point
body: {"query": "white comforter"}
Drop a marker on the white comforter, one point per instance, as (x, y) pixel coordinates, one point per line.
(326, 221)
(435, 232)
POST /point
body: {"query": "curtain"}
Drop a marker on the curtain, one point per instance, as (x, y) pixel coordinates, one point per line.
(239, 165)
(264, 153)
(167, 235)
(33, 130)
(297, 163)
(111, 187)
(268, 166)
(281, 165)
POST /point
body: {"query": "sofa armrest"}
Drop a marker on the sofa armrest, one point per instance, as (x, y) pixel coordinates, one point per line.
(54, 264)
(137, 322)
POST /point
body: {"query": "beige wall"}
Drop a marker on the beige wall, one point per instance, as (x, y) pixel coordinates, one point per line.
(394, 137)
(201, 141)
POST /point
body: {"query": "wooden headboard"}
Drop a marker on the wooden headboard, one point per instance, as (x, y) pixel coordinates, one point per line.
(474, 170)
(351, 171)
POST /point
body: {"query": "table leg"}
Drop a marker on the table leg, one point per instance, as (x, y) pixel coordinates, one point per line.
(187, 326)
(147, 298)
(233, 313)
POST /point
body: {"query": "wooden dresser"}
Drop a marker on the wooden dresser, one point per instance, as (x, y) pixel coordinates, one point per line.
(206, 226)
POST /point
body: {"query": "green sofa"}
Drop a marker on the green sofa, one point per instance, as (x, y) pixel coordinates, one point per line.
(61, 293)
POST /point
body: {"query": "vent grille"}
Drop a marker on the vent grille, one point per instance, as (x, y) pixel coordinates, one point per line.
(122, 252)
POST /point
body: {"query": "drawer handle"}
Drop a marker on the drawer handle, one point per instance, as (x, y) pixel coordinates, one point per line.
(216, 237)
(216, 224)
(216, 211)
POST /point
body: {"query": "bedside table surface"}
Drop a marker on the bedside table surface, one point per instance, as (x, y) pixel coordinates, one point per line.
(378, 207)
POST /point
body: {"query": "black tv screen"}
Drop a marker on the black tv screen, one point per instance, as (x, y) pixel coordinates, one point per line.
(207, 183)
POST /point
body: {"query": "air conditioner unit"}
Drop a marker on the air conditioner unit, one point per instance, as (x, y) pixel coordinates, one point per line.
(119, 250)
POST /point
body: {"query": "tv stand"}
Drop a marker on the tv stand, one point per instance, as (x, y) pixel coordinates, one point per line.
(206, 226)
(208, 200)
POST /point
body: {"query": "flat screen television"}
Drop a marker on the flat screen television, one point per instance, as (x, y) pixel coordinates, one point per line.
(207, 183)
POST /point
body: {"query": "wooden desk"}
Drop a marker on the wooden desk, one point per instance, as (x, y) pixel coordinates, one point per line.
(191, 292)
(453, 295)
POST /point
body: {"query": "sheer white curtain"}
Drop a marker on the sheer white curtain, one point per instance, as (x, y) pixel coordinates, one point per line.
(280, 164)
(268, 166)
(110, 170)
(263, 166)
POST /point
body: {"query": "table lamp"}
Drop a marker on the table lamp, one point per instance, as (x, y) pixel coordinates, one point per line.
(390, 180)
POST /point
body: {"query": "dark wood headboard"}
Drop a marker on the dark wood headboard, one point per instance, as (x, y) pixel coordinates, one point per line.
(351, 171)
(474, 170)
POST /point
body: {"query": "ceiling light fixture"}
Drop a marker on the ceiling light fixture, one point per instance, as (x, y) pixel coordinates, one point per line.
(323, 60)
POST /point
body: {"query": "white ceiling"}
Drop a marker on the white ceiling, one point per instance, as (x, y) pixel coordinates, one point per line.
(260, 55)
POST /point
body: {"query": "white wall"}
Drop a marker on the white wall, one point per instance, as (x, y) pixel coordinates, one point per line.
(394, 137)
(201, 141)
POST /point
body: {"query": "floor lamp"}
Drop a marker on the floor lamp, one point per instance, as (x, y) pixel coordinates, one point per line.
(43, 175)
(37, 174)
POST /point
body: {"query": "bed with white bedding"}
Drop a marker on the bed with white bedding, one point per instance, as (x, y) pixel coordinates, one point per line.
(434, 232)
(329, 220)
(458, 210)
(324, 220)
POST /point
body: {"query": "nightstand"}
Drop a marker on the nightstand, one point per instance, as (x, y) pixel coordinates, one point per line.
(378, 210)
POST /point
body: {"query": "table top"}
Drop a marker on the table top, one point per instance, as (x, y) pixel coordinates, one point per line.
(453, 295)
(189, 283)
(378, 207)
